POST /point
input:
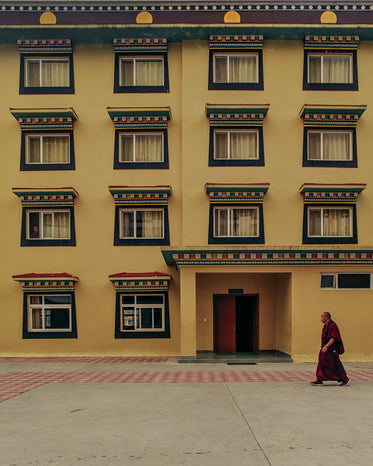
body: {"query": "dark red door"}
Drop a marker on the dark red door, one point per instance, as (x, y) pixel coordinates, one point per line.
(225, 324)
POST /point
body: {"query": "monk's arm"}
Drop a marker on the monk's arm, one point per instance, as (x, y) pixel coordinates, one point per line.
(330, 342)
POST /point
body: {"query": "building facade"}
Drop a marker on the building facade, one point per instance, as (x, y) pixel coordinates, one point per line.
(185, 177)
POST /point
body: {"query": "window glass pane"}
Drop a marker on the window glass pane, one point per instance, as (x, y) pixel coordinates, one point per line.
(129, 319)
(336, 146)
(36, 319)
(242, 69)
(55, 73)
(220, 69)
(62, 225)
(336, 69)
(314, 69)
(47, 225)
(336, 222)
(33, 150)
(149, 299)
(327, 281)
(146, 318)
(56, 149)
(57, 299)
(244, 222)
(243, 145)
(158, 318)
(314, 222)
(314, 146)
(126, 152)
(221, 145)
(149, 148)
(58, 318)
(33, 73)
(127, 73)
(353, 280)
(128, 299)
(149, 72)
(149, 224)
(221, 222)
(128, 224)
(34, 225)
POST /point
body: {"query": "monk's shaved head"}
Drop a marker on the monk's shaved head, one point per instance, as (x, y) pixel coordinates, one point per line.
(327, 314)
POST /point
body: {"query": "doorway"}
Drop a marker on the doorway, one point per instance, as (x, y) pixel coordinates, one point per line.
(236, 324)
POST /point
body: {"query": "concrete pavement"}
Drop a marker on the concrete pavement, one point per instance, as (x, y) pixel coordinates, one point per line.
(164, 413)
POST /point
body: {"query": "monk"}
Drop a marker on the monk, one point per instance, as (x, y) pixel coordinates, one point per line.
(330, 366)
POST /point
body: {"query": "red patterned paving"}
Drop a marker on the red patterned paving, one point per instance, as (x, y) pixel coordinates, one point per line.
(110, 359)
(16, 383)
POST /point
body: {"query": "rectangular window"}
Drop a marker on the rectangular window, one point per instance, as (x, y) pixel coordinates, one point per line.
(47, 149)
(48, 224)
(141, 71)
(141, 147)
(47, 72)
(141, 223)
(330, 145)
(330, 222)
(346, 281)
(330, 68)
(142, 313)
(236, 222)
(49, 313)
(236, 145)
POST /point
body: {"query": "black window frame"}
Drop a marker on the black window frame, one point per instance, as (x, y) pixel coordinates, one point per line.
(118, 165)
(165, 241)
(259, 86)
(24, 166)
(42, 335)
(165, 88)
(259, 162)
(23, 89)
(329, 239)
(354, 86)
(338, 276)
(138, 334)
(236, 240)
(47, 242)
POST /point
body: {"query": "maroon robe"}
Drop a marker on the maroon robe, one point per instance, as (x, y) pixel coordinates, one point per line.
(330, 366)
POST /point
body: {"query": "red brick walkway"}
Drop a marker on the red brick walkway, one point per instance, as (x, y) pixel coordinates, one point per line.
(16, 383)
(110, 359)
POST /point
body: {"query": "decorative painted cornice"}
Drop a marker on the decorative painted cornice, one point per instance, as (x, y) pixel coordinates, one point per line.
(150, 281)
(331, 42)
(45, 45)
(46, 281)
(245, 193)
(151, 117)
(331, 115)
(39, 197)
(331, 193)
(44, 118)
(196, 257)
(140, 44)
(236, 115)
(140, 195)
(219, 42)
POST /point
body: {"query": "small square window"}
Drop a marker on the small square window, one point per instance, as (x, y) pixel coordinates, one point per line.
(236, 146)
(346, 281)
(141, 150)
(236, 70)
(47, 151)
(50, 74)
(141, 73)
(48, 227)
(142, 316)
(236, 224)
(326, 224)
(330, 71)
(141, 226)
(330, 147)
(49, 315)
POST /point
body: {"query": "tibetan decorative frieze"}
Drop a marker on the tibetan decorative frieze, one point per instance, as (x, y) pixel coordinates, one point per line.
(236, 193)
(44, 118)
(46, 281)
(339, 115)
(331, 42)
(44, 46)
(236, 115)
(46, 196)
(140, 195)
(150, 281)
(127, 118)
(220, 42)
(331, 193)
(140, 45)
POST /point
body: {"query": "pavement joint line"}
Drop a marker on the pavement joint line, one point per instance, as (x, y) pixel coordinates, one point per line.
(247, 423)
(15, 383)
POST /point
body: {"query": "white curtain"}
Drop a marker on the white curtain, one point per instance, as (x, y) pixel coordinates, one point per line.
(56, 225)
(236, 145)
(128, 224)
(235, 69)
(55, 149)
(55, 73)
(152, 223)
(329, 145)
(221, 222)
(141, 148)
(244, 222)
(142, 72)
(334, 69)
(34, 150)
(329, 222)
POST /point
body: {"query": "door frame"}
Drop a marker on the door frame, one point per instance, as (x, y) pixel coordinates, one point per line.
(256, 319)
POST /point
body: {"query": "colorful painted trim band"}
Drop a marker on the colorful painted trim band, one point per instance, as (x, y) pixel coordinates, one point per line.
(45, 197)
(331, 42)
(138, 45)
(30, 119)
(136, 196)
(345, 194)
(237, 194)
(45, 282)
(217, 42)
(45, 45)
(140, 285)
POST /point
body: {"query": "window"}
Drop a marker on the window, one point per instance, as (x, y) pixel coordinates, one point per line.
(346, 280)
(51, 74)
(49, 315)
(141, 223)
(141, 150)
(141, 73)
(330, 63)
(236, 221)
(330, 148)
